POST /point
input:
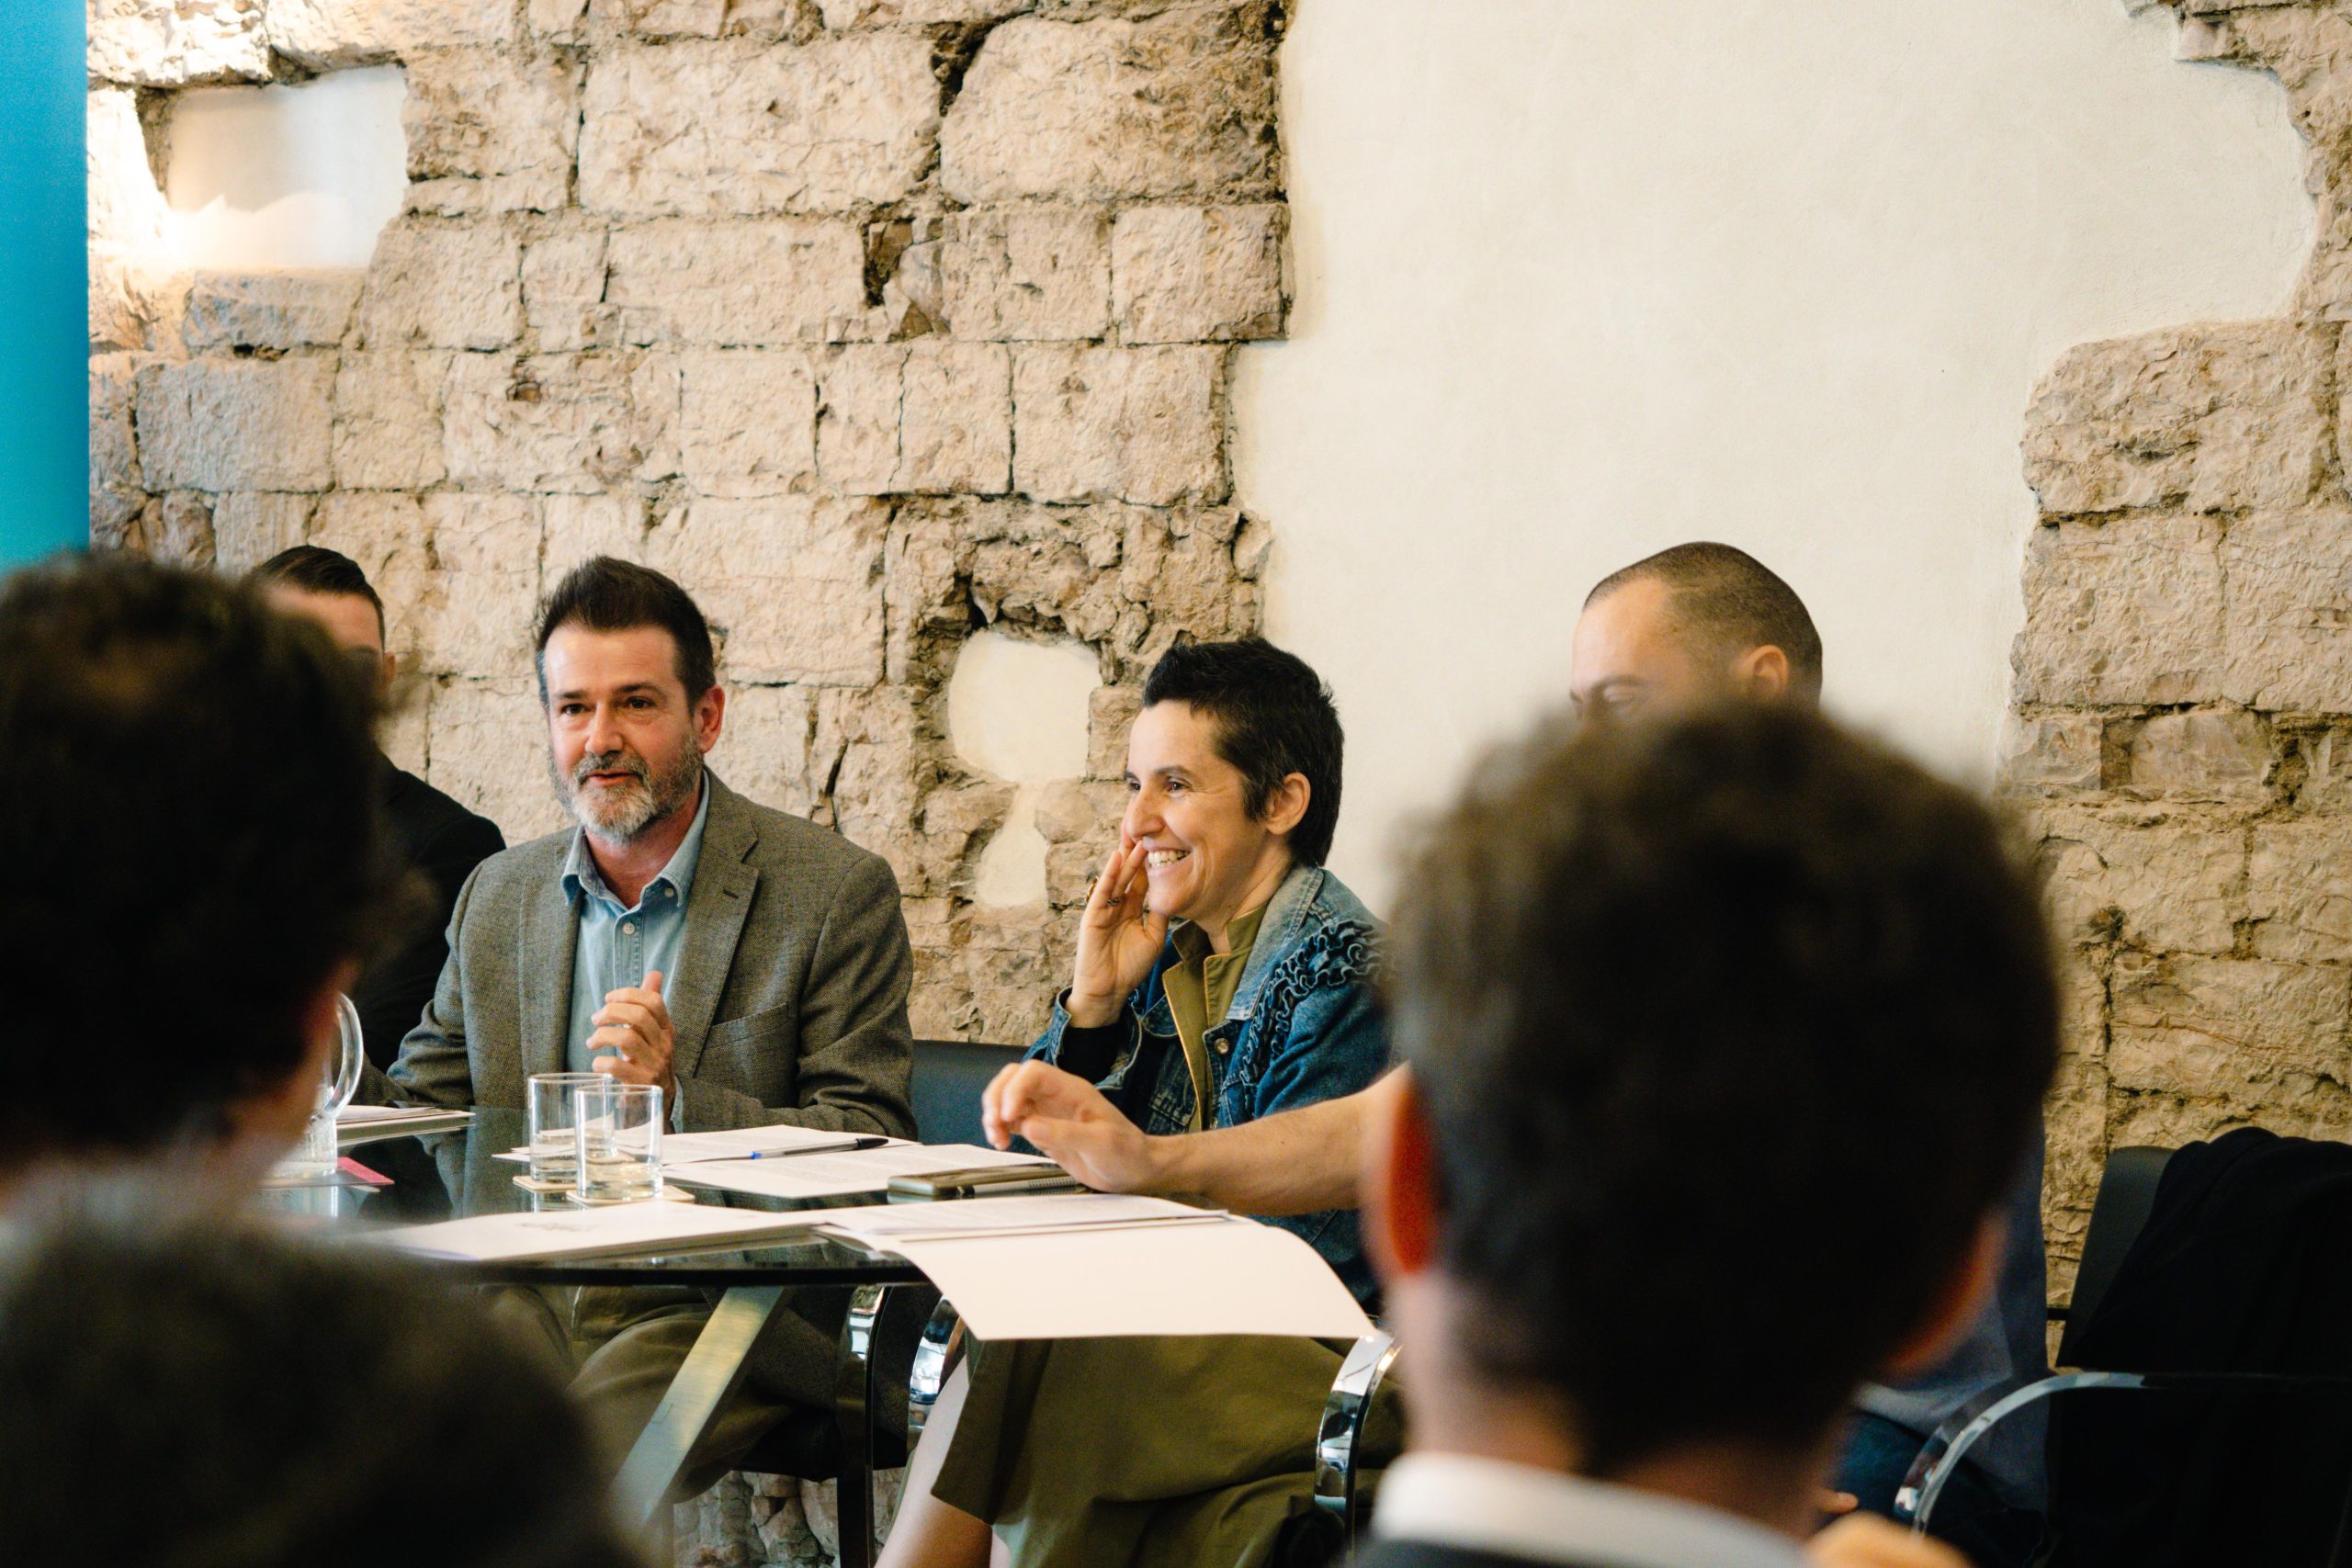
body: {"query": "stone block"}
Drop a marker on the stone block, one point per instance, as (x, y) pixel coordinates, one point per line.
(988, 975)
(740, 284)
(792, 585)
(922, 418)
(133, 304)
(489, 749)
(1142, 425)
(746, 420)
(169, 43)
(1109, 713)
(2168, 884)
(2050, 753)
(766, 20)
(489, 131)
(387, 536)
(176, 528)
(441, 284)
(215, 424)
(714, 129)
(126, 207)
(557, 21)
(1177, 573)
(2203, 419)
(564, 291)
(249, 527)
(2074, 1123)
(116, 488)
(763, 750)
(1010, 274)
(478, 613)
(2288, 610)
(2322, 752)
(577, 527)
(2129, 613)
(2205, 753)
(1050, 568)
(1176, 105)
(2242, 1032)
(840, 14)
(387, 419)
(1199, 274)
(2299, 889)
(272, 310)
(561, 422)
(927, 611)
(328, 34)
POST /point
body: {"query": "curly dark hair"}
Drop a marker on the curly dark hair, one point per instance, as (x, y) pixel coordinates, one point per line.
(1274, 717)
(195, 848)
(1732, 1032)
(277, 1403)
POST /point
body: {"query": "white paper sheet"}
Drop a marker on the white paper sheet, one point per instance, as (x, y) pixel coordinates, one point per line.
(684, 1148)
(361, 1115)
(1002, 1216)
(1230, 1276)
(642, 1228)
(832, 1175)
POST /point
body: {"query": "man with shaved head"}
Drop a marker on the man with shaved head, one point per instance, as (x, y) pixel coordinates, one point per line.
(1695, 625)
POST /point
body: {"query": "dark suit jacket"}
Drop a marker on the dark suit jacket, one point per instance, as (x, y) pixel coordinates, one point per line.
(789, 1002)
(442, 840)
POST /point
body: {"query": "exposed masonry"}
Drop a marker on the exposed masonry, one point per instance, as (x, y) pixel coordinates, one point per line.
(2182, 736)
(873, 321)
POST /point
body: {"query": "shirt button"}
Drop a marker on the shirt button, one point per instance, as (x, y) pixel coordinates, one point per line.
(1223, 1046)
(629, 928)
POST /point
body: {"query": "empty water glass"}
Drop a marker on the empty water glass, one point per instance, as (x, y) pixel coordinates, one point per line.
(550, 1099)
(620, 1140)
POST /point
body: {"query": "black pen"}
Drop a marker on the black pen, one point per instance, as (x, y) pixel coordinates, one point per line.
(851, 1147)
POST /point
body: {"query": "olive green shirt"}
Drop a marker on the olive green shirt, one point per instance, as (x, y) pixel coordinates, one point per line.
(1200, 987)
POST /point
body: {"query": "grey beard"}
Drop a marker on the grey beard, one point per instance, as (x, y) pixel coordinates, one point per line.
(656, 795)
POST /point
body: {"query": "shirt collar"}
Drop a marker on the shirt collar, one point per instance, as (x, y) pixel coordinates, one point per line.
(1485, 1505)
(581, 875)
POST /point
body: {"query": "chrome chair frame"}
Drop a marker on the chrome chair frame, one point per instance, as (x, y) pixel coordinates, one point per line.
(1339, 1480)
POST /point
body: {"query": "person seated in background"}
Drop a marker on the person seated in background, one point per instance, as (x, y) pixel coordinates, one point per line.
(1694, 624)
(182, 1392)
(1642, 1256)
(201, 869)
(433, 833)
(751, 963)
(1223, 974)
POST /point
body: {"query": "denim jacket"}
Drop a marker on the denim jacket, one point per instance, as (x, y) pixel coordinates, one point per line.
(1305, 1025)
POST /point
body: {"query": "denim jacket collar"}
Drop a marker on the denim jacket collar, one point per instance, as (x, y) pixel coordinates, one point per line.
(1288, 914)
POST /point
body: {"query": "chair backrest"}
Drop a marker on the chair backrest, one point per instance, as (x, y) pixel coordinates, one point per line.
(948, 1077)
(2127, 1193)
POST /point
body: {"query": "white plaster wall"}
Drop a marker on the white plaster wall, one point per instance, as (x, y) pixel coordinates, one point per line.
(1578, 280)
(301, 176)
(1016, 711)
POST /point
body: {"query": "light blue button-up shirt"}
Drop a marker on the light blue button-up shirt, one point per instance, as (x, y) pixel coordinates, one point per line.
(619, 947)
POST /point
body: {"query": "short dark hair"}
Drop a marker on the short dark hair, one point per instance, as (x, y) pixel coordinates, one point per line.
(1729, 601)
(197, 809)
(293, 1403)
(1731, 1031)
(608, 595)
(1274, 717)
(314, 568)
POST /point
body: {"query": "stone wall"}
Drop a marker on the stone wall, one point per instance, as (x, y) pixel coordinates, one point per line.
(874, 322)
(2184, 687)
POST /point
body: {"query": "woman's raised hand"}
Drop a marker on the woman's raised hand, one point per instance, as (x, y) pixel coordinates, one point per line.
(1118, 938)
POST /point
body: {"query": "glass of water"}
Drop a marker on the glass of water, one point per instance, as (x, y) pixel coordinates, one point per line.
(550, 1099)
(619, 1128)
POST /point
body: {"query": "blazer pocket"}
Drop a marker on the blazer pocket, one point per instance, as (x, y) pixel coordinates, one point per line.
(772, 1029)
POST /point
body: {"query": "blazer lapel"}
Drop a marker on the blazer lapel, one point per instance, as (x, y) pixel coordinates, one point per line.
(550, 941)
(716, 911)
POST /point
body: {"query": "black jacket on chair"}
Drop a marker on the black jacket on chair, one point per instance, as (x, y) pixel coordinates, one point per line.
(2245, 1266)
(434, 835)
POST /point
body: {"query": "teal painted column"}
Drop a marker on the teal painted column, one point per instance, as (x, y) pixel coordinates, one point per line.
(45, 276)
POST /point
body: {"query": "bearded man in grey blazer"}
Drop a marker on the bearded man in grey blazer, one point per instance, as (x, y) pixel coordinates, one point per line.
(752, 963)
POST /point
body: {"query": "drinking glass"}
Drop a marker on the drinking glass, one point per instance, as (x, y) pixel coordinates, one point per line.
(550, 1101)
(316, 1157)
(619, 1127)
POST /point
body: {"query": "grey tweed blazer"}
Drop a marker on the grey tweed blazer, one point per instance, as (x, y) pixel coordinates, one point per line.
(789, 1001)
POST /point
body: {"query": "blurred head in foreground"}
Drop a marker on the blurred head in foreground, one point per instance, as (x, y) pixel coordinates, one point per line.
(182, 1392)
(195, 863)
(1727, 1035)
